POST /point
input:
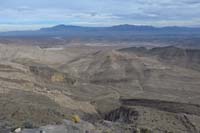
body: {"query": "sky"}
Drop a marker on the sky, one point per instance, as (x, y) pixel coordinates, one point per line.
(34, 14)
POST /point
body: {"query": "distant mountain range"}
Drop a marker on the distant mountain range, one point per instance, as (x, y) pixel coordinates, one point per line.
(70, 30)
(132, 35)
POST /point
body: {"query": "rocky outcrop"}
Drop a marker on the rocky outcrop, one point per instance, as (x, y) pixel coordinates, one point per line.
(123, 115)
(173, 107)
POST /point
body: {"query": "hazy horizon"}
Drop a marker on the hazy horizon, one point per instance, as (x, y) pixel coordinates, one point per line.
(32, 28)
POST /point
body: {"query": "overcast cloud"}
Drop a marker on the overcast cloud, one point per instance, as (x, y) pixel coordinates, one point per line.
(33, 14)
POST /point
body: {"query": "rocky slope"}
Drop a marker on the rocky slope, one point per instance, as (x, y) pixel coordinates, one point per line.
(188, 58)
(111, 90)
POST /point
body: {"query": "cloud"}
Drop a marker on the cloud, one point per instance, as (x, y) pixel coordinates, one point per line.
(98, 12)
(190, 1)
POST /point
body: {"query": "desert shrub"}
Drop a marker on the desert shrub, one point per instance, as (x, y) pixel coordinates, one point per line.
(76, 119)
(57, 77)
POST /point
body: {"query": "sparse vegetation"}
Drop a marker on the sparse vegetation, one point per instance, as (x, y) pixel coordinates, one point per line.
(57, 77)
(76, 119)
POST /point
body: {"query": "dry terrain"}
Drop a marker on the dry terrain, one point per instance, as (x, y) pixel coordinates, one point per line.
(111, 89)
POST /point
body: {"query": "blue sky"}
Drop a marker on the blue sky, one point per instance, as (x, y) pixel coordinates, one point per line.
(34, 14)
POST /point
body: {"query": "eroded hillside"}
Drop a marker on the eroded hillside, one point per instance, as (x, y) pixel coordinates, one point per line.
(115, 91)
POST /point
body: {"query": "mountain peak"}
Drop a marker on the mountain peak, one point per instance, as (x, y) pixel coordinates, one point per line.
(61, 27)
